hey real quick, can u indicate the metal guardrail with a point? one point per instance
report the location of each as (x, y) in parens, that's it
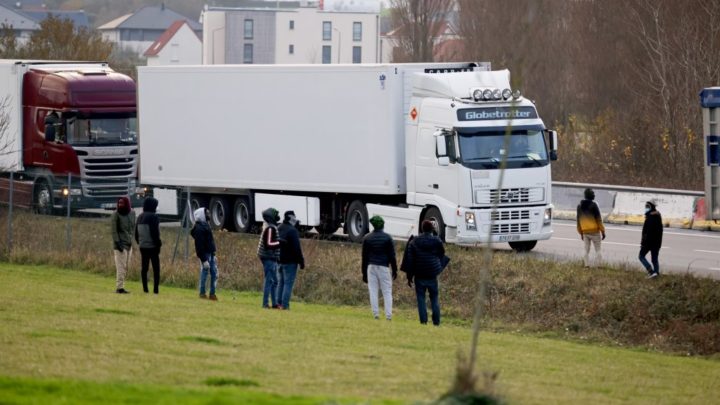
(609, 187)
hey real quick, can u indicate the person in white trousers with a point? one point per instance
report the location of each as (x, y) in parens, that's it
(378, 257)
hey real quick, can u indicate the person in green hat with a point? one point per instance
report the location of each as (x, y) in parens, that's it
(378, 257)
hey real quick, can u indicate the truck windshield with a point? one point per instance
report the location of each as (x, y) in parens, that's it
(483, 149)
(102, 130)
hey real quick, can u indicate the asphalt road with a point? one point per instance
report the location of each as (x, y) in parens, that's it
(682, 251)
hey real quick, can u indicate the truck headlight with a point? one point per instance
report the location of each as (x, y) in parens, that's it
(470, 221)
(548, 216)
(71, 191)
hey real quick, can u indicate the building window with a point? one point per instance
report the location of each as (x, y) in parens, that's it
(357, 54)
(291, 49)
(327, 53)
(357, 31)
(292, 24)
(248, 53)
(327, 31)
(248, 29)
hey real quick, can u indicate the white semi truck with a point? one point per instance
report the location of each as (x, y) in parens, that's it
(340, 143)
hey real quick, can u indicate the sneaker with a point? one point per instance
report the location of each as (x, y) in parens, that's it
(122, 291)
(653, 274)
(376, 317)
(213, 297)
(203, 296)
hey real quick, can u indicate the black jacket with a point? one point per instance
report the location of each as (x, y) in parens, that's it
(290, 249)
(652, 231)
(147, 228)
(378, 248)
(204, 241)
(425, 257)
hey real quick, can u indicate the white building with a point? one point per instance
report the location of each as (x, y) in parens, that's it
(178, 45)
(298, 35)
(22, 24)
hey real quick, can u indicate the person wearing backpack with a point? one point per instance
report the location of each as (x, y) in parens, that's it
(423, 262)
(205, 251)
(147, 235)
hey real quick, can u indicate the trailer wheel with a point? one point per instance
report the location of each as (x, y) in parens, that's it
(219, 213)
(196, 201)
(433, 215)
(525, 246)
(241, 215)
(356, 221)
(43, 198)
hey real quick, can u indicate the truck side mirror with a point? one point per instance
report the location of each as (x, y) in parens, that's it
(553, 141)
(440, 146)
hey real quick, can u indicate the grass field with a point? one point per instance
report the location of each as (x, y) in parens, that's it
(65, 337)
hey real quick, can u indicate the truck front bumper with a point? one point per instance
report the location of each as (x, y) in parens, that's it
(507, 224)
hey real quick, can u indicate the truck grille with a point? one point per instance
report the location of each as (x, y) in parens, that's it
(108, 173)
(510, 195)
(505, 229)
(509, 215)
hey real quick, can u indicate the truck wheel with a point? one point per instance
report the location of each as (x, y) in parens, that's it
(433, 215)
(356, 221)
(219, 213)
(525, 246)
(196, 201)
(43, 198)
(242, 218)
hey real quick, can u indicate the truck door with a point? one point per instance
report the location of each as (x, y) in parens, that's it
(434, 182)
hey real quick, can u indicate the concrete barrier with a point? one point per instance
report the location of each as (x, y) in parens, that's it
(700, 213)
(566, 199)
(676, 210)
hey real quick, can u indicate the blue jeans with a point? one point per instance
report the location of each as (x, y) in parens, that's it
(286, 279)
(213, 276)
(270, 289)
(431, 286)
(654, 253)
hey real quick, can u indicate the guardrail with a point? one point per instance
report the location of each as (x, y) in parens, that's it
(625, 205)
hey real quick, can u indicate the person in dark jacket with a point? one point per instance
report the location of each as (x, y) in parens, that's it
(122, 225)
(426, 260)
(205, 251)
(147, 235)
(378, 257)
(652, 233)
(590, 226)
(269, 254)
(291, 257)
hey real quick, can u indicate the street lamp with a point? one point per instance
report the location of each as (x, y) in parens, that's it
(339, 41)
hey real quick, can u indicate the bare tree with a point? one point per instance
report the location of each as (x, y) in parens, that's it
(417, 25)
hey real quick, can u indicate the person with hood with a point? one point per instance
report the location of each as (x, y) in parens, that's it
(425, 261)
(590, 226)
(147, 236)
(652, 233)
(122, 224)
(269, 254)
(291, 257)
(205, 251)
(378, 256)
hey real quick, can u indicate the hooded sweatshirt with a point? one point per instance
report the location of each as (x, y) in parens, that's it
(201, 232)
(147, 230)
(269, 245)
(588, 218)
(652, 231)
(122, 224)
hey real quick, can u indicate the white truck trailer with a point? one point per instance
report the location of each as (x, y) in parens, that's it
(340, 143)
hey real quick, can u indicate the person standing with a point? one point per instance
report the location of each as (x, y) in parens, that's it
(147, 235)
(205, 251)
(378, 257)
(652, 233)
(122, 224)
(291, 257)
(590, 226)
(426, 260)
(269, 254)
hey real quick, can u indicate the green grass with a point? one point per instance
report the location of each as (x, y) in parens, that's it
(66, 338)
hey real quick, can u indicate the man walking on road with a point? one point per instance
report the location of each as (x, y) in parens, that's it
(590, 226)
(651, 241)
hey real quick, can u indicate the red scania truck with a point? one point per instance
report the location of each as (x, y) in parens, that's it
(63, 121)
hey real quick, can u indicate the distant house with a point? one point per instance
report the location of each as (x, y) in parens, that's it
(78, 17)
(137, 31)
(178, 45)
(25, 17)
(447, 44)
(22, 24)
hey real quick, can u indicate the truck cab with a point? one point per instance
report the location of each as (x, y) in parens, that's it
(463, 129)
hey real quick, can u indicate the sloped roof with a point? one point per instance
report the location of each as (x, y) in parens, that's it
(150, 18)
(166, 36)
(78, 17)
(18, 20)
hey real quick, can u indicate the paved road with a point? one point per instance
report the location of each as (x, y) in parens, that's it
(682, 251)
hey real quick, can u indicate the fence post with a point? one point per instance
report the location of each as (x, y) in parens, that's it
(10, 214)
(67, 227)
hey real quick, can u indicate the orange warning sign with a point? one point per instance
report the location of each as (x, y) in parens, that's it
(413, 113)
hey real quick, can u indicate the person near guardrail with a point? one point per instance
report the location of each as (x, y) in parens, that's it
(205, 251)
(122, 224)
(269, 254)
(147, 235)
(378, 257)
(652, 233)
(291, 257)
(590, 226)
